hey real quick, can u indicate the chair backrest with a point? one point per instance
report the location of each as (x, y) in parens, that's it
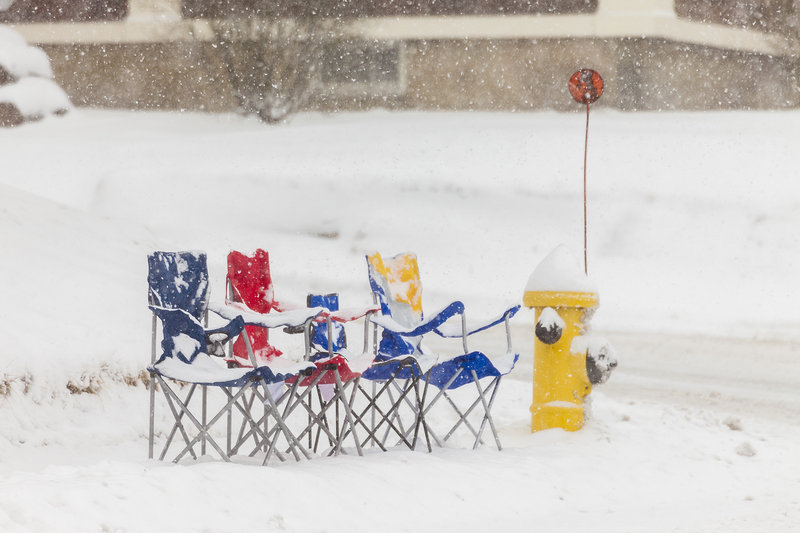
(319, 335)
(179, 280)
(250, 282)
(396, 285)
(178, 290)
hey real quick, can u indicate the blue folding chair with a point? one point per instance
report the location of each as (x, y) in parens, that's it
(337, 375)
(193, 356)
(396, 286)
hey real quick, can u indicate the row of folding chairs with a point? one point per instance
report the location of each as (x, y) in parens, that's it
(228, 388)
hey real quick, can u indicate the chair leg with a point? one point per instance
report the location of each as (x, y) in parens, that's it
(152, 424)
(396, 418)
(427, 406)
(386, 417)
(244, 406)
(247, 420)
(317, 419)
(202, 429)
(463, 416)
(266, 438)
(359, 418)
(372, 409)
(178, 425)
(204, 419)
(421, 416)
(348, 410)
(270, 436)
(294, 442)
(487, 409)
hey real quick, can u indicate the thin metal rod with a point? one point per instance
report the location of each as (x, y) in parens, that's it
(178, 416)
(152, 390)
(204, 404)
(329, 332)
(487, 409)
(464, 332)
(585, 211)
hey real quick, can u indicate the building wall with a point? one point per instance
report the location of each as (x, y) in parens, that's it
(170, 76)
(479, 74)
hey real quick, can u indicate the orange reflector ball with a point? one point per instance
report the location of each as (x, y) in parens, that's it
(586, 86)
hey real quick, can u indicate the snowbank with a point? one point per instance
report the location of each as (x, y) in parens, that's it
(692, 229)
(27, 90)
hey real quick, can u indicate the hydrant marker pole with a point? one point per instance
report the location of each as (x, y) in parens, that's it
(585, 210)
(585, 86)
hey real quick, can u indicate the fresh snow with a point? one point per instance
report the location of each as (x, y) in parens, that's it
(549, 318)
(32, 89)
(21, 60)
(560, 270)
(693, 243)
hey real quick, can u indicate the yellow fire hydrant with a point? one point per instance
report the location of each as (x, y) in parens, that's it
(563, 299)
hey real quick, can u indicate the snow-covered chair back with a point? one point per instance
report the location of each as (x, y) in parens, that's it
(179, 280)
(322, 339)
(249, 281)
(397, 288)
(178, 287)
(395, 283)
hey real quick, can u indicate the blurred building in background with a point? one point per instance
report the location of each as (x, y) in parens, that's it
(429, 54)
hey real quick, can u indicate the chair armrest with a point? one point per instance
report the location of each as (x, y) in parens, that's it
(426, 326)
(234, 326)
(178, 322)
(291, 318)
(231, 329)
(453, 330)
(347, 315)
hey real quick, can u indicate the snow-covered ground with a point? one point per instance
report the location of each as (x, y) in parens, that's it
(693, 243)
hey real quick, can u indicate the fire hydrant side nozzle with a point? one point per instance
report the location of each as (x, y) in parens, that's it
(563, 299)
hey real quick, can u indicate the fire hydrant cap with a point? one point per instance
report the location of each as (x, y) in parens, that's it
(560, 280)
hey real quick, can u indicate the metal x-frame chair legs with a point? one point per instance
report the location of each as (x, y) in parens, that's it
(490, 391)
(374, 415)
(300, 397)
(202, 428)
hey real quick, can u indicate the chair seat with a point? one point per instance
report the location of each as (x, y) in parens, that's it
(283, 369)
(484, 367)
(399, 367)
(348, 368)
(204, 371)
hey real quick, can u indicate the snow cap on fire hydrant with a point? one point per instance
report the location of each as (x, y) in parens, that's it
(560, 271)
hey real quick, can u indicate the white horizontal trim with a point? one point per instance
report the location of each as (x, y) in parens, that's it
(604, 24)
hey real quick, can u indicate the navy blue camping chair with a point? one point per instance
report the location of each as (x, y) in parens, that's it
(192, 356)
(401, 353)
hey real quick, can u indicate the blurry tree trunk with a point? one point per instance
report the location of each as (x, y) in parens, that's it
(271, 65)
